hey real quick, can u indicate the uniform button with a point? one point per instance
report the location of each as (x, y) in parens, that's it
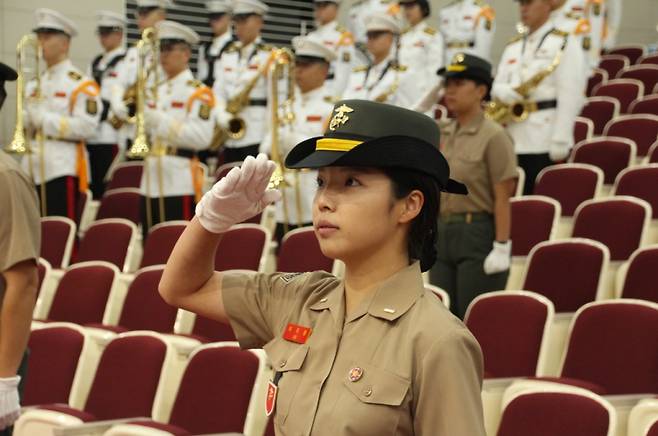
(355, 374)
(282, 363)
(367, 391)
(324, 300)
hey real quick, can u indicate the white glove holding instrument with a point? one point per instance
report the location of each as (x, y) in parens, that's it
(558, 151)
(35, 108)
(10, 409)
(117, 105)
(240, 195)
(498, 259)
(506, 94)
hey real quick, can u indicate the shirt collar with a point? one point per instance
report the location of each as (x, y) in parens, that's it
(181, 77)
(62, 66)
(471, 128)
(310, 95)
(329, 25)
(538, 34)
(224, 37)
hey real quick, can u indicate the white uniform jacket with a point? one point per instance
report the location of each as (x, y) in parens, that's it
(468, 26)
(104, 71)
(209, 54)
(360, 10)
(341, 41)
(421, 50)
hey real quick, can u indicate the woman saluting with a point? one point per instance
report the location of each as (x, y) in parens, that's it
(373, 353)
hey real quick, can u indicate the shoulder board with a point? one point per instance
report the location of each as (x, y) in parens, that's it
(360, 69)
(265, 47)
(401, 68)
(517, 38)
(75, 75)
(560, 33)
(358, 3)
(341, 29)
(195, 83)
(330, 99)
(233, 46)
(430, 30)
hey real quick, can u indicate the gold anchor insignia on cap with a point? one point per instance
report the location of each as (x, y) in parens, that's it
(340, 117)
(459, 58)
(355, 374)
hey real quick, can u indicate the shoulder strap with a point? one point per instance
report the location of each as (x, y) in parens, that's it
(202, 93)
(95, 71)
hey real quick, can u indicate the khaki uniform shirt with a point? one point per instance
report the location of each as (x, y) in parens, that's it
(20, 227)
(400, 364)
(480, 155)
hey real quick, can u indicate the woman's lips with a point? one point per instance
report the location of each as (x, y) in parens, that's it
(325, 228)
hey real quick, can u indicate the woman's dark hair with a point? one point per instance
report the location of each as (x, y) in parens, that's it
(423, 231)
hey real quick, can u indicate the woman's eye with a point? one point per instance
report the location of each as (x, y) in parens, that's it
(351, 181)
(319, 182)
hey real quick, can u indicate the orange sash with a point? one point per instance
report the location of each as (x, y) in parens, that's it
(91, 89)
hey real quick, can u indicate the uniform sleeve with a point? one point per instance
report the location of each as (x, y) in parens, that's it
(343, 67)
(19, 222)
(258, 305)
(435, 55)
(502, 77)
(484, 32)
(202, 64)
(194, 132)
(614, 11)
(409, 93)
(500, 158)
(81, 123)
(448, 387)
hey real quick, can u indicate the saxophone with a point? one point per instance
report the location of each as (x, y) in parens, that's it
(519, 111)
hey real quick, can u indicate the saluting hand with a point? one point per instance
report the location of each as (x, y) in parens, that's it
(237, 197)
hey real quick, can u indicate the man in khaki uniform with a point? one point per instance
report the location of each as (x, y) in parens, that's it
(20, 238)
(383, 357)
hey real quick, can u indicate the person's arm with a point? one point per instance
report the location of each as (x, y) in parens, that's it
(503, 191)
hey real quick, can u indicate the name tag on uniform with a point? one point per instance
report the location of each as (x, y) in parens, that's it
(313, 118)
(253, 67)
(270, 400)
(511, 61)
(328, 43)
(419, 44)
(468, 17)
(177, 104)
(228, 69)
(113, 74)
(60, 94)
(296, 333)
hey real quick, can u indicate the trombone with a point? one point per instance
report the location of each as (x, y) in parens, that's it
(20, 144)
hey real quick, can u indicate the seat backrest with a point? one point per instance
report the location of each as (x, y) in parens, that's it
(110, 240)
(57, 236)
(127, 377)
(632, 51)
(82, 205)
(555, 409)
(600, 110)
(645, 105)
(608, 345)
(300, 252)
(624, 90)
(511, 328)
(82, 293)
(143, 307)
(55, 352)
(647, 74)
(215, 391)
(224, 169)
(642, 129)
(209, 330)
(640, 279)
(652, 155)
(640, 182)
(44, 270)
(598, 76)
(534, 220)
(649, 59)
(121, 203)
(613, 64)
(603, 220)
(611, 154)
(569, 184)
(126, 175)
(583, 129)
(441, 294)
(242, 247)
(161, 241)
(568, 272)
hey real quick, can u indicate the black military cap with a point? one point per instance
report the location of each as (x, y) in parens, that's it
(363, 133)
(7, 73)
(468, 67)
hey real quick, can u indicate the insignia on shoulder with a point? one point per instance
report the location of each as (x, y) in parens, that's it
(266, 47)
(597, 9)
(232, 47)
(92, 106)
(516, 38)
(195, 83)
(204, 112)
(587, 43)
(559, 32)
(75, 75)
(287, 278)
(330, 99)
(400, 68)
(340, 28)
(347, 57)
(430, 30)
(488, 24)
(360, 69)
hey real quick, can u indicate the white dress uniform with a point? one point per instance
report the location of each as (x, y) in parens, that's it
(103, 70)
(362, 9)
(613, 15)
(421, 50)
(68, 114)
(548, 130)
(209, 53)
(467, 26)
(340, 41)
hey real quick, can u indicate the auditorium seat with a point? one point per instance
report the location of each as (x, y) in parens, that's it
(128, 382)
(643, 129)
(637, 278)
(243, 246)
(645, 105)
(647, 74)
(123, 203)
(112, 240)
(222, 391)
(632, 51)
(85, 210)
(568, 272)
(512, 328)
(612, 64)
(641, 182)
(652, 155)
(520, 182)
(224, 169)
(550, 410)
(643, 419)
(534, 219)
(624, 90)
(648, 59)
(57, 237)
(570, 184)
(598, 76)
(300, 252)
(126, 175)
(611, 154)
(441, 112)
(441, 294)
(583, 129)
(160, 242)
(43, 270)
(82, 293)
(600, 110)
(47, 284)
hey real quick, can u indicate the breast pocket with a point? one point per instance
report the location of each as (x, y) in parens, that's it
(288, 359)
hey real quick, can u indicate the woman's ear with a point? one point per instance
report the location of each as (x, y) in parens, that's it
(412, 205)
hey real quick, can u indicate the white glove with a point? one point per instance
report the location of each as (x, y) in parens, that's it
(10, 408)
(35, 110)
(558, 151)
(153, 118)
(119, 109)
(223, 118)
(506, 94)
(499, 258)
(239, 196)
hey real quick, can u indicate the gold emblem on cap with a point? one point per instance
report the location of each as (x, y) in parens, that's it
(458, 59)
(340, 117)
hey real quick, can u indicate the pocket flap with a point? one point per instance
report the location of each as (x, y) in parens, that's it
(378, 386)
(286, 356)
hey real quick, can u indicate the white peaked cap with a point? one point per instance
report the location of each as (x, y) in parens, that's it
(249, 7)
(382, 21)
(173, 30)
(50, 19)
(327, 1)
(308, 46)
(155, 4)
(218, 6)
(110, 19)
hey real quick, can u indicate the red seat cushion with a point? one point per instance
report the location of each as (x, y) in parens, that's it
(54, 236)
(240, 248)
(641, 182)
(640, 279)
(126, 176)
(569, 185)
(593, 387)
(106, 241)
(300, 252)
(611, 155)
(144, 308)
(643, 129)
(209, 330)
(160, 243)
(127, 205)
(63, 408)
(600, 112)
(174, 430)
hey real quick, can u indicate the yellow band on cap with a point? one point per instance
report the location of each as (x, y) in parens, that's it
(335, 144)
(458, 68)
